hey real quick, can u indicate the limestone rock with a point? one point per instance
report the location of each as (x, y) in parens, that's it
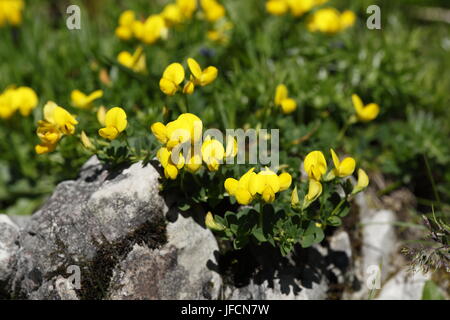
(9, 233)
(404, 286)
(111, 226)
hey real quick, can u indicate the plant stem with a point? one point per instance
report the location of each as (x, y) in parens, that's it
(261, 218)
(186, 102)
(433, 184)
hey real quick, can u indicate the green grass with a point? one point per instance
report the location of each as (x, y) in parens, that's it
(401, 67)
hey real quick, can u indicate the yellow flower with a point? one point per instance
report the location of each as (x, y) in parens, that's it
(212, 224)
(314, 191)
(232, 147)
(154, 28)
(294, 198)
(325, 20)
(48, 133)
(26, 100)
(159, 131)
(191, 123)
(171, 164)
(315, 165)
(348, 19)
(287, 105)
(300, 7)
(363, 181)
(200, 77)
(330, 20)
(86, 141)
(138, 29)
(212, 9)
(193, 163)
(277, 7)
(239, 189)
(189, 87)
(11, 12)
(187, 7)
(213, 153)
(57, 122)
(83, 101)
(285, 181)
(365, 113)
(172, 77)
(12, 99)
(44, 148)
(267, 183)
(187, 127)
(344, 168)
(135, 62)
(125, 29)
(172, 14)
(7, 107)
(60, 118)
(115, 123)
(101, 115)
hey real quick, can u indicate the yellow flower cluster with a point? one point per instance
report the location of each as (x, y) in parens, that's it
(11, 12)
(135, 61)
(263, 185)
(148, 31)
(330, 20)
(156, 26)
(325, 20)
(212, 10)
(282, 100)
(57, 123)
(315, 167)
(12, 99)
(187, 128)
(186, 131)
(296, 7)
(84, 101)
(174, 75)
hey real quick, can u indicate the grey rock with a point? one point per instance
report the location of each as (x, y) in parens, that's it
(20, 220)
(9, 233)
(379, 240)
(178, 270)
(379, 248)
(404, 286)
(110, 224)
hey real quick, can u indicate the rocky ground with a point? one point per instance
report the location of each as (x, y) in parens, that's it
(116, 229)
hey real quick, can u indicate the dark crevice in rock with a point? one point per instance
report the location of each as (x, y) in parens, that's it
(98, 272)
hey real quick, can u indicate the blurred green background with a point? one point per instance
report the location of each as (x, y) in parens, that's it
(403, 67)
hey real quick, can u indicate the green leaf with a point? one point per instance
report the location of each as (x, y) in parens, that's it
(432, 292)
(259, 234)
(312, 235)
(184, 206)
(334, 221)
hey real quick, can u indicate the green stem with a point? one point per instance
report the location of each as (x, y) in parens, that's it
(433, 184)
(337, 207)
(261, 218)
(343, 131)
(186, 102)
